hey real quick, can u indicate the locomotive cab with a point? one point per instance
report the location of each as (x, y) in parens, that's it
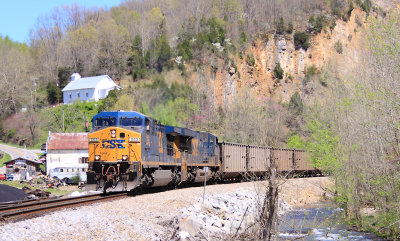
(115, 151)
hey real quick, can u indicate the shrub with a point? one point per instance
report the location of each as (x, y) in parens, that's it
(296, 104)
(301, 40)
(317, 23)
(278, 71)
(76, 179)
(250, 60)
(289, 28)
(366, 6)
(311, 70)
(333, 24)
(280, 28)
(338, 47)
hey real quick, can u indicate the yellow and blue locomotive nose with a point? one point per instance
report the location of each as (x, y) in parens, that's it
(114, 159)
(114, 144)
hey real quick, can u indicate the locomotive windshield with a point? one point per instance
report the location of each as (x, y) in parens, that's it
(135, 121)
(104, 122)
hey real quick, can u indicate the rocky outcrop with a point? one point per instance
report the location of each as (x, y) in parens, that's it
(272, 49)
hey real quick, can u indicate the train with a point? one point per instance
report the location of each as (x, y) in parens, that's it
(129, 150)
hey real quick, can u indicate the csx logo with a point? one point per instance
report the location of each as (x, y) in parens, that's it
(112, 144)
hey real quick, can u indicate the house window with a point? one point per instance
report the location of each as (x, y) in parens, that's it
(79, 95)
(61, 170)
(70, 96)
(87, 94)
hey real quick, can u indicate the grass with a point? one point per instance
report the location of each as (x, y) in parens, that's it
(54, 191)
(5, 158)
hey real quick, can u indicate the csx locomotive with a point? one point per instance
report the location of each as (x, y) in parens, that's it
(129, 150)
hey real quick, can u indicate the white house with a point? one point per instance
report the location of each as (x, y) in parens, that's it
(88, 88)
(67, 155)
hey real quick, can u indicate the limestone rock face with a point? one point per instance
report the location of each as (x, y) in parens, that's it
(272, 49)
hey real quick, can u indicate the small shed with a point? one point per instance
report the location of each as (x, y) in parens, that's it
(67, 155)
(22, 169)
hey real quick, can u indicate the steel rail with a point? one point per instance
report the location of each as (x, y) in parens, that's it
(41, 206)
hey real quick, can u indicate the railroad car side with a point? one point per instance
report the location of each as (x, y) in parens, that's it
(234, 159)
(259, 158)
(283, 159)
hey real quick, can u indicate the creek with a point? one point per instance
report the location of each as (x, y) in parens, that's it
(319, 222)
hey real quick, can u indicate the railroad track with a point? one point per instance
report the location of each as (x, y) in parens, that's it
(28, 209)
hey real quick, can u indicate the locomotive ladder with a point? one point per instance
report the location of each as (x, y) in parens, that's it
(184, 166)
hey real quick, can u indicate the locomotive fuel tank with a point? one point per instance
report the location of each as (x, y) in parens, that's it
(114, 159)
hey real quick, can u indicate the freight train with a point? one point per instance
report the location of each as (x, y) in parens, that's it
(128, 150)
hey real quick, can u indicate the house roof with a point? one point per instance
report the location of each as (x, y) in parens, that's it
(21, 158)
(90, 83)
(68, 141)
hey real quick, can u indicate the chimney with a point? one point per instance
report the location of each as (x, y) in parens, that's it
(75, 76)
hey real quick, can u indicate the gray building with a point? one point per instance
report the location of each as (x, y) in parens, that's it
(22, 169)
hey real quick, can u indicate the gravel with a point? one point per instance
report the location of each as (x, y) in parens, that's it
(155, 216)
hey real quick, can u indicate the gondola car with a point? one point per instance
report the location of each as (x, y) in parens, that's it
(129, 149)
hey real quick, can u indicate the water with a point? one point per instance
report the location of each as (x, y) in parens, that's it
(317, 223)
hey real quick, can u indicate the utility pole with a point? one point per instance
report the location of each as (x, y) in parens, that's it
(63, 121)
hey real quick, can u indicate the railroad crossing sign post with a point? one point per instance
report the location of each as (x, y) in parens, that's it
(205, 180)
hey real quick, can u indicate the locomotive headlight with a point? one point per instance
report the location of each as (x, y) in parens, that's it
(92, 140)
(97, 157)
(113, 133)
(124, 157)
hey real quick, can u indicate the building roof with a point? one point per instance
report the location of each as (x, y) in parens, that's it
(89, 83)
(68, 141)
(23, 159)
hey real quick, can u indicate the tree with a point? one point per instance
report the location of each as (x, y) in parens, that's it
(280, 27)
(296, 104)
(301, 40)
(278, 71)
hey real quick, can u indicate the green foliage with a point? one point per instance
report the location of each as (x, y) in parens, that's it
(296, 104)
(301, 40)
(216, 31)
(280, 27)
(243, 38)
(163, 53)
(310, 72)
(54, 94)
(324, 146)
(144, 109)
(76, 179)
(289, 29)
(70, 118)
(250, 60)
(185, 50)
(336, 6)
(317, 23)
(278, 71)
(4, 159)
(107, 103)
(333, 24)
(338, 47)
(175, 112)
(366, 6)
(294, 141)
(137, 60)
